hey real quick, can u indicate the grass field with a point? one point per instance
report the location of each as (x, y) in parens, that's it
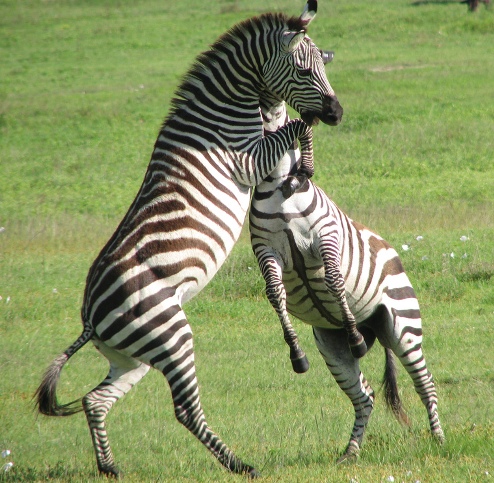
(84, 87)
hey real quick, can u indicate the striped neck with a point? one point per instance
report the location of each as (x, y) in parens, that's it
(209, 74)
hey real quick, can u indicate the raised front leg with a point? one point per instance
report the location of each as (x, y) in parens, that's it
(306, 169)
(335, 283)
(265, 155)
(275, 290)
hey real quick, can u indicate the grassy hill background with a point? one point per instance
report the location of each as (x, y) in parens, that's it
(84, 87)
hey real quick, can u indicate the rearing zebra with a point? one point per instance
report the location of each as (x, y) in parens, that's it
(335, 274)
(187, 216)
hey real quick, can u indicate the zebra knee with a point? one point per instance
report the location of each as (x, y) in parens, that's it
(190, 416)
(89, 404)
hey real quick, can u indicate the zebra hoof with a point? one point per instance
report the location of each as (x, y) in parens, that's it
(252, 473)
(110, 472)
(439, 436)
(359, 350)
(300, 365)
(351, 454)
(289, 186)
(347, 459)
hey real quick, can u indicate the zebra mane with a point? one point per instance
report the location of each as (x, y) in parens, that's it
(271, 21)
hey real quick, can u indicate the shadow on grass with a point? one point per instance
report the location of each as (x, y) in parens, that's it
(417, 3)
(57, 472)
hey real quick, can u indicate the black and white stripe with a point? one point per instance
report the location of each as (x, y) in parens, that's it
(343, 279)
(187, 216)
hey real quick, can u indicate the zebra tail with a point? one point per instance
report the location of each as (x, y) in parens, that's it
(390, 386)
(45, 396)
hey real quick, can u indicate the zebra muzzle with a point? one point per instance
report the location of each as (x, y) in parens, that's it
(331, 113)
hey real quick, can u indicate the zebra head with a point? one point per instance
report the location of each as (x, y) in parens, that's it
(295, 73)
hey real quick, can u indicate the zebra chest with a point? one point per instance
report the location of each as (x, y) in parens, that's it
(303, 277)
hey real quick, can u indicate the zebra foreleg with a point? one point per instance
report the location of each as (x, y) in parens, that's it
(335, 283)
(306, 169)
(124, 373)
(275, 291)
(333, 346)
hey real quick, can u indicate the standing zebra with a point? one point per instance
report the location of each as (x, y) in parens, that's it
(188, 214)
(335, 274)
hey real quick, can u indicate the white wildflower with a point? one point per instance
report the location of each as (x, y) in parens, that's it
(464, 255)
(55, 290)
(2, 229)
(390, 478)
(420, 238)
(452, 255)
(464, 238)
(405, 247)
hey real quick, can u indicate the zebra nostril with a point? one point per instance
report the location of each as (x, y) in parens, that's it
(332, 112)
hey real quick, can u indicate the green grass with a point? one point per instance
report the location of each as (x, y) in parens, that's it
(84, 87)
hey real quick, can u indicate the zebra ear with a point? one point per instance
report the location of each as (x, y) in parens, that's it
(291, 39)
(309, 12)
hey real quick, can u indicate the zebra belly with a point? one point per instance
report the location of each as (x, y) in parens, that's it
(310, 301)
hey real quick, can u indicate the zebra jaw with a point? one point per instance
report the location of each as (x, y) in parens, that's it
(331, 113)
(310, 118)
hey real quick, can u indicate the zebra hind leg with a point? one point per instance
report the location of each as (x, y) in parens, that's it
(404, 336)
(172, 353)
(124, 373)
(333, 346)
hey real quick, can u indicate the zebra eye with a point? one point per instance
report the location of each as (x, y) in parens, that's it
(305, 72)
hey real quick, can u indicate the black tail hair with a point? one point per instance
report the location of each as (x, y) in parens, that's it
(45, 396)
(390, 386)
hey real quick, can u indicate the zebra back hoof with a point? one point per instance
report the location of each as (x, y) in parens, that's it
(109, 472)
(438, 435)
(252, 473)
(300, 365)
(359, 350)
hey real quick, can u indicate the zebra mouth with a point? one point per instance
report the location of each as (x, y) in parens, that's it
(331, 113)
(331, 118)
(310, 118)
